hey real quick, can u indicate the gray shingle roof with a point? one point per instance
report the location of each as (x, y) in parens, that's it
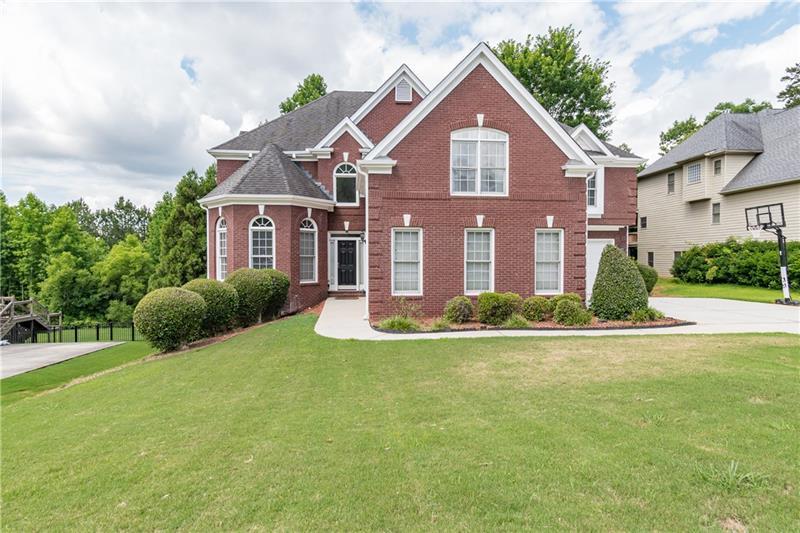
(729, 131)
(302, 128)
(270, 172)
(780, 160)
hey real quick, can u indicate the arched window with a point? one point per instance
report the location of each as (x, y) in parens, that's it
(222, 249)
(345, 190)
(308, 251)
(479, 162)
(262, 243)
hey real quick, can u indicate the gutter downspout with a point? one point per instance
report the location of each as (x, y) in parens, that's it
(366, 242)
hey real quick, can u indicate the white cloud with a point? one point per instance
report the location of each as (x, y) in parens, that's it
(96, 103)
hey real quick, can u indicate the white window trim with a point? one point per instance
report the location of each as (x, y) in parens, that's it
(560, 290)
(490, 231)
(597, 209)
(421, 257)
(354, 176)
(250, 230)
(699, 173)
(478, 168)
(217, 248)
(315, 232)
(719, 214)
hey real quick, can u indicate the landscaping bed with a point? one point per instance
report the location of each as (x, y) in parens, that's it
(429, 325)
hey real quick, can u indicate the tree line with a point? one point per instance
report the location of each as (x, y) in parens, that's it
(97, 265)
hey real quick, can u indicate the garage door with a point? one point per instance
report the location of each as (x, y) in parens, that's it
(594, 249)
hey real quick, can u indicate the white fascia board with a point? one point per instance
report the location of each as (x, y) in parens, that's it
(483, 55)
(234, 155)
(584, 130)
(383, 165)
(346, 125)
(403, 72)
(619, 162)
(578, 171)
(266, 199)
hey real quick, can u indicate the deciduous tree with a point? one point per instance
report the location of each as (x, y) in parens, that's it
(790, 95)
(308, 90)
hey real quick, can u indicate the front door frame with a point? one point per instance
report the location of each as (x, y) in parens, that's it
(333, 250)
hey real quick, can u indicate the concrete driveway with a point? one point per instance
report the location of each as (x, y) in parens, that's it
(20, 358)
(344, 319)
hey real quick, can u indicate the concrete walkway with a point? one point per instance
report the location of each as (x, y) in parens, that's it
(344, 319)
(20, 358)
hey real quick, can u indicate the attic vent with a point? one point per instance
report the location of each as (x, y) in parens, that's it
(402, 91)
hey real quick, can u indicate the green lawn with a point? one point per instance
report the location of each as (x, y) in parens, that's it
(279, 429)
(673, 287)
(23, 385)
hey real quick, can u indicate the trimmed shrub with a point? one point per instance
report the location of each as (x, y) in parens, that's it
(170, 317)
(254, 290)
(619, 288)
(459, 310)
(535, 308)
(649, 275)
(646, 315)
(399, 323)
(570, 313)
(279, 291)
(516, 321)
(495, 308)
(222, 301)
(571, 296)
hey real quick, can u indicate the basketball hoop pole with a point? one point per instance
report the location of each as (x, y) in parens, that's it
(787, 298)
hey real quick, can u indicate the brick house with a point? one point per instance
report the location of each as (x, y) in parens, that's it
(422, 194)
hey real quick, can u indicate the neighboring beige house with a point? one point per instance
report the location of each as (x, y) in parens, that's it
(697, 193)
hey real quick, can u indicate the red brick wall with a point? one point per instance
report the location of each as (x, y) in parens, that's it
(386, 115)
(420, 186)
(620, 237)
(620, 197)
(226, 167)
(287, 243)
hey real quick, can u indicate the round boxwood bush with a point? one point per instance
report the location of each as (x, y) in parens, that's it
(254, 290)
(279, 291)
(459, 310)
(535, 308)
(619, 288)
(170, 317)
(650, 276)
(570, 313)
(554, 301)
(495, 308)
(222, 301)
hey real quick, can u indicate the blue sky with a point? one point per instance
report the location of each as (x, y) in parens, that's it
(110, 99)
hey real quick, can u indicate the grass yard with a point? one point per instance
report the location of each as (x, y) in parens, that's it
(279, 429)
(23, 385)
(673, 287)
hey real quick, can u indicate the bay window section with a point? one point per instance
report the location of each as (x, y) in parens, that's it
(406, 262)
(549, 261)
(479, 162)
(478, 261)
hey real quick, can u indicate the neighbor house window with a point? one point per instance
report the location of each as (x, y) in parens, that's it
(262, 243)
(406, 261)
(591, 191)
(549, 261)
(479, 162)
(715, 212)
(676, 255)
(670, 183)
(717, 167)
(478, 261)
(693, 173)
(222, 249)
(650, 259)
(308, 251)
(643, 222)
(345, 190)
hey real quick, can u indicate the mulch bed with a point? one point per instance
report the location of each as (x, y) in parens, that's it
(666, 322)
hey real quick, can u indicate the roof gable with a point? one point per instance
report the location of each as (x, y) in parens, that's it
(483, 55)
(346, 125)
(402, 73)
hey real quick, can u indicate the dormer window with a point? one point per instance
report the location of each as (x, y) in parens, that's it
(402, 92)
(479, 162)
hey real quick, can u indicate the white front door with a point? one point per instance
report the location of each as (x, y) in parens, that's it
(594, 249)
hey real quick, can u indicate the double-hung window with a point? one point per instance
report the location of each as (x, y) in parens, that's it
(406, 261)
(479, 162)
(693, 173)
(308, 251)
(670, 183)
(715, 213)
(222, 249)
(345, 185)
(591, 191)
(478, 261)
(262, 243)
(549, 261)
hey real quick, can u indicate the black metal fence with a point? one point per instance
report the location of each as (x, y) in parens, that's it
(108, 331)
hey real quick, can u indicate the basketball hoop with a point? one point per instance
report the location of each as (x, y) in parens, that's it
(770, 218)
(755, 232)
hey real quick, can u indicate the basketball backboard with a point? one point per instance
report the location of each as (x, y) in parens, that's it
(764, 217)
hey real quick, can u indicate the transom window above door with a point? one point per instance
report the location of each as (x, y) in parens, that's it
(479, 162)
(345, 184)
